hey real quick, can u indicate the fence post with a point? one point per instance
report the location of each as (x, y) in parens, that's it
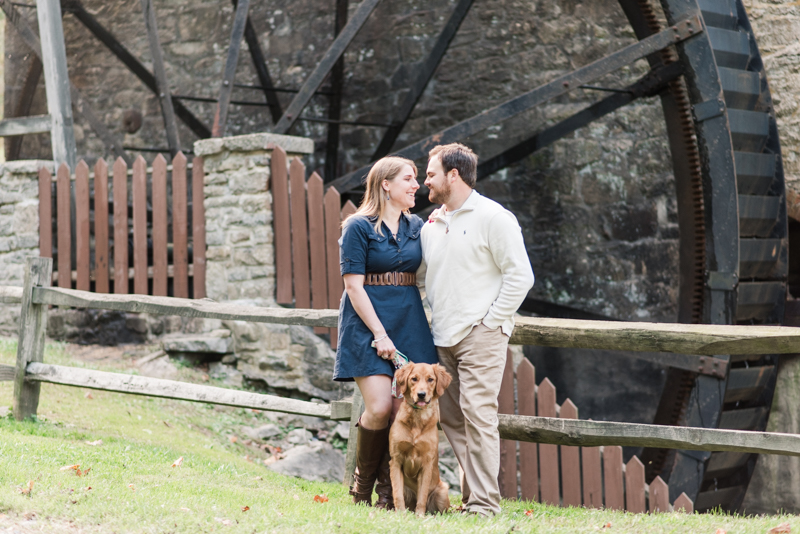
(350, 459)
(32, 329)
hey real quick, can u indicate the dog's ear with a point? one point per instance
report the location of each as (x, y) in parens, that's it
(401, 375)
(443, 379)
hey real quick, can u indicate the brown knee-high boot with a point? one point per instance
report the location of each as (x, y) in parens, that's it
(383, 486)
(370, 449)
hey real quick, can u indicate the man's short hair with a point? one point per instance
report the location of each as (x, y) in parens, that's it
(459, 157)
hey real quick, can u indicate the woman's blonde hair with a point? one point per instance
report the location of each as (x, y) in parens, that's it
(374, 202)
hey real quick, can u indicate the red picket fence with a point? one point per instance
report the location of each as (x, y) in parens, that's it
(128, 252)
(594, 477)
(307, 228)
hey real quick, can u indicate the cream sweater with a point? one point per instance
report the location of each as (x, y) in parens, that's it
(475, 269)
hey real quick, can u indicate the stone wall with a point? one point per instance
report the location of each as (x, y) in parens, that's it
(19, 229)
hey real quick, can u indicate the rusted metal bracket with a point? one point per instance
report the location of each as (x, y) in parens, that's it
(712, 366)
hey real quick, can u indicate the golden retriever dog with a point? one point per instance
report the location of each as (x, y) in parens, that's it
(414, 440)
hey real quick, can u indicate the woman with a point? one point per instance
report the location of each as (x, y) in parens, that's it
(381, 311)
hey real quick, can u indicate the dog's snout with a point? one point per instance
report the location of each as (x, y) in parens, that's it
(421, 394)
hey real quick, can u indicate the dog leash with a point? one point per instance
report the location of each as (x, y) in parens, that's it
(399, 360)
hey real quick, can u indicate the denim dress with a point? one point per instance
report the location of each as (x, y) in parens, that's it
(362, 250)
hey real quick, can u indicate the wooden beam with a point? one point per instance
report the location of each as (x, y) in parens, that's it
(335, 100)
(188, 308)
(109, 139)
(576, 432)
(32, 330)
(24, 103)
(559, 86)
(170, 389)
(10, 294)
(25, 125)
(56, 77)
(315, 79)
(260, 65)
(237, 32)
(569, 333)
(164, 98)
(133, 64)
(6, 373)
(422, 78)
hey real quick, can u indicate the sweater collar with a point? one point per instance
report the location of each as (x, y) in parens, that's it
(468, 205)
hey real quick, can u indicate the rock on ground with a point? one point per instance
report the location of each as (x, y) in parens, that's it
(318, 462)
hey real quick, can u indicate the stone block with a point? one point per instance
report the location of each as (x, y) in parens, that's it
(252, 142)
(198, 343)
(263, 432)
(317, 461)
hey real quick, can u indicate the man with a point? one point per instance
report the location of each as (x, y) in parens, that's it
(478, 274)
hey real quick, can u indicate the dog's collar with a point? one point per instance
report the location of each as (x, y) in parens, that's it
(418, 407)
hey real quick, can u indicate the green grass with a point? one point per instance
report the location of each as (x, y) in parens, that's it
(131, 486)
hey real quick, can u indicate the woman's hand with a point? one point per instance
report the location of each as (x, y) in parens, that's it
(385, 348)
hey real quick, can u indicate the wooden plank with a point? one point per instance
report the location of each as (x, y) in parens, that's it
(717, 497)
(185, 307)
(64, 224)
(528, 452)
(659, 496)
(683, 503)
(25, 100)
(725, 463)
(164, 97)
(548, 454)
(507, 478)
(82, 258)
(139, 194)
(595, 433)
(10, 294)
(335, 83)
(315, 79)
(260, 66)
(316, 245)
(634, 486)
(333, 230)
(232, 59)
(198, 229)
(300, 271)
(26, 125)
(348, 209)
(32, 330)
(592, 477)
(120, 192)
(570, 463)
(656, 337)
(356, 410)
(56, 77)
(747, 383)
(101, 226)
(612, 478)
(7, 372)
(180, 227)
(45, 213)
(744, 419)
(159, 205)
(83, 110)
(170, 273)
(282, 227)
(170, 389)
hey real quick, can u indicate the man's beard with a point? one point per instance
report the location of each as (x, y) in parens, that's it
(440, 195)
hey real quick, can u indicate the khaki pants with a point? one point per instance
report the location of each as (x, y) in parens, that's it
(469, 413)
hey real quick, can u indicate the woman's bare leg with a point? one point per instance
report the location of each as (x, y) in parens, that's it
(377, 393)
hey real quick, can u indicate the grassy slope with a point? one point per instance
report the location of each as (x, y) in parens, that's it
(132, 487)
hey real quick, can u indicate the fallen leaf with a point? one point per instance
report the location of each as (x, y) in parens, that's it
(259, 478)
(84, 473)
(68, 467)
(95, 443)
(178, 462)
(183, 508)
(607, 525)
(204, 378)
(320, 498)
(88, 395)
(529, 513)
(721, 531)
(132, 487)
(233, 439)
(780, 529)
(271, 460)
(27, 491)
(223, 521)
(3, 516)
(247, 458)
(295, 497)
(166, 424)
(87, 488)
(245, 508)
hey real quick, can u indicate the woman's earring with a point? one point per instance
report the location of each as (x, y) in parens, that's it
(387, 196)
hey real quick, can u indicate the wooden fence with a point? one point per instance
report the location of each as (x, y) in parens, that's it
(122, 233)
(594, 477)
(549, 433)
(307, 226)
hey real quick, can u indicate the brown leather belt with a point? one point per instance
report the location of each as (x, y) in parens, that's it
(390, 279)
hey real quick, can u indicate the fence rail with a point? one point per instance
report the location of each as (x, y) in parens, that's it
(30, 371)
